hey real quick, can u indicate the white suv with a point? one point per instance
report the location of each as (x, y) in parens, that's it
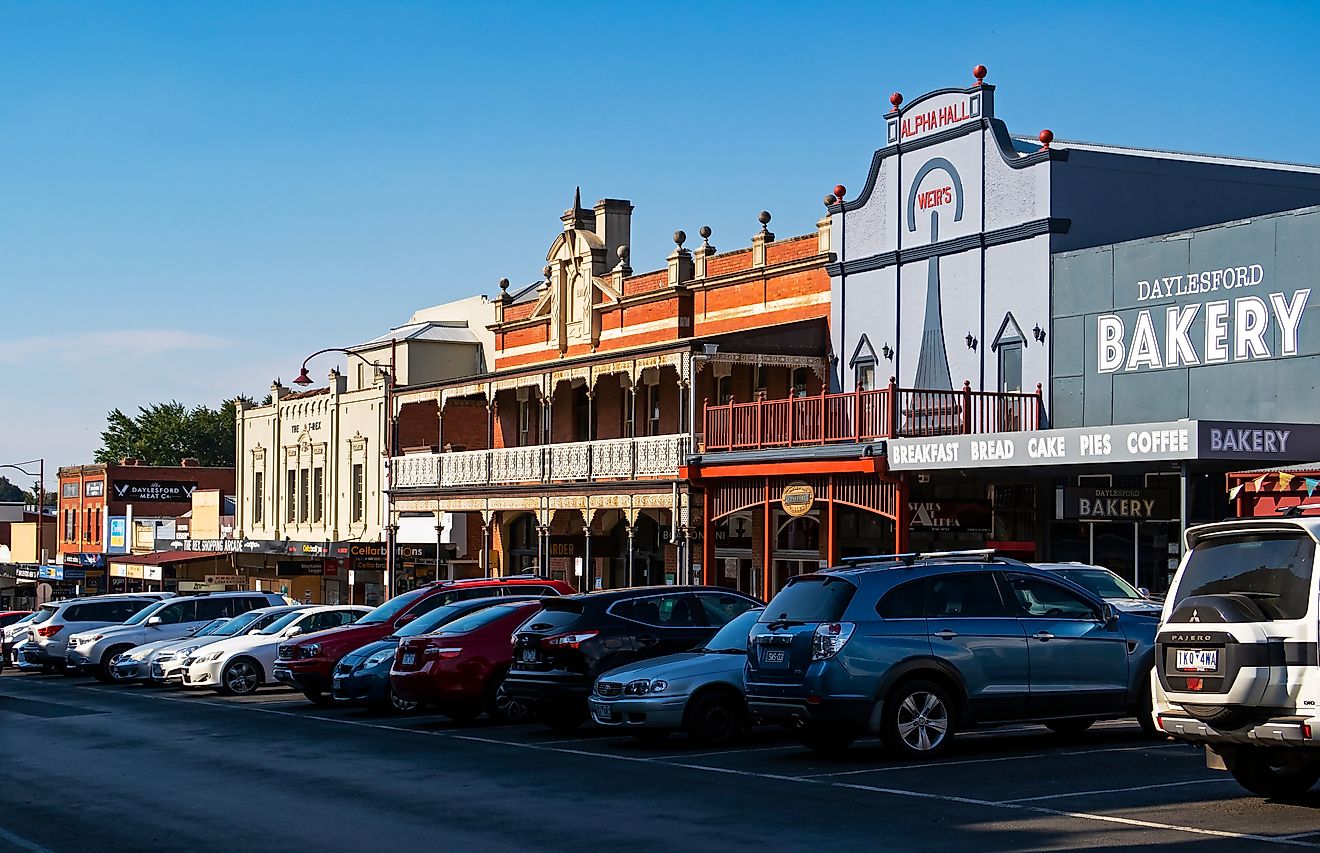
(95, 651)
(51, 629)
(1236, 654)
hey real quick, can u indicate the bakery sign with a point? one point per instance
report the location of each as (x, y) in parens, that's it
(1110, 504)
(160, 491)
(1222, 315)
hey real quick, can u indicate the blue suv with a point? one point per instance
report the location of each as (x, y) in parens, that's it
(915, 647)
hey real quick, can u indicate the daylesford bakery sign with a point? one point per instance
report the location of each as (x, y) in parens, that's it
(1237, 317)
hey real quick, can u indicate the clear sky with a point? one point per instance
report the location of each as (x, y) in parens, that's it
(194, 195)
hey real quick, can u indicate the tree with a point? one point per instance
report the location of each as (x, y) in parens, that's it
(164, 433)
(9, 492)
(30, 496)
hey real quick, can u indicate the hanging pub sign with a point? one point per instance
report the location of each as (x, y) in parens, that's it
(1114, 504)
(797, 499)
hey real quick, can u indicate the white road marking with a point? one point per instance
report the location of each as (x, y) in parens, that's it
(1119, 790)
(21, 843)
(1291, 841)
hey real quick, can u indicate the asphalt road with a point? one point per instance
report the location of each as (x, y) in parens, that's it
(87, 767)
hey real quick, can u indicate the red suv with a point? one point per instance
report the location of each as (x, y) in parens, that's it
(461, 667)
(307, 665)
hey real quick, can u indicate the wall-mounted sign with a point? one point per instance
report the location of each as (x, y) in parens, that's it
(94, 488)
(51, 572)
(235, 580)
(1111, 504)
(928, 116)
(1153, 442)
(797, 499)
(118, 527)
(157, 491)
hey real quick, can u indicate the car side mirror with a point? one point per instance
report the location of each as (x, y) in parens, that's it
(153, 621)
(293, 632)
(1145, 592)
(1109, 615)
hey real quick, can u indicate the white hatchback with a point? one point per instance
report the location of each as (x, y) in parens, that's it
(239, 665)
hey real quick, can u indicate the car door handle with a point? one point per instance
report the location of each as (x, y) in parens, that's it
(1043, 636)
(946, 634)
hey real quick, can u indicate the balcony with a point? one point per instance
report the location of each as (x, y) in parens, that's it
(864, 416)
(654, 457)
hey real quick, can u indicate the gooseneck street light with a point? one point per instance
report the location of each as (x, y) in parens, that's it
(304, 380)
(41, 495)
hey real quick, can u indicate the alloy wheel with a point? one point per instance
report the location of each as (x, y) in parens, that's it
(923, 721)
(241, 677)
(510, 708)
(115, 674)
(401, 705)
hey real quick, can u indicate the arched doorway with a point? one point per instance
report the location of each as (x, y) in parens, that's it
(797, 546)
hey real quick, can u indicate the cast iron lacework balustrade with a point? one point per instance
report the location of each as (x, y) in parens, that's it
(612, 458)
(660, 455)
(515, 465)
(570, 461)
(468, 468)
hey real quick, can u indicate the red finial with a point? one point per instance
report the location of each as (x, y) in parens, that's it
(897, 100)
(979, 73)
(839, 190)
(1046, 137)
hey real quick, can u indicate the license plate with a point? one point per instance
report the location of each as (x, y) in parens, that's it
(774, 656)
(528, 656)
(1198, 660)
(409, 659)
(601, 711)
(337, 684)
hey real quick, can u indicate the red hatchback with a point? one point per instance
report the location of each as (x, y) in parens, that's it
(461, 668)
(307, 665)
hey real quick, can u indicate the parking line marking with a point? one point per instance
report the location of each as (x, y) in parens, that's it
(737, 752)
(22, 843)
(930, 764)
(1120, 790)
(1291, 841)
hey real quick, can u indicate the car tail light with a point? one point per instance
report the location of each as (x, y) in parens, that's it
(829, 639)
(447, 652)
(568, 641)
(49, 630)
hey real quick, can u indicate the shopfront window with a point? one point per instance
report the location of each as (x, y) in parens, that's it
(259, 498)
(318, 494)
(291, 497)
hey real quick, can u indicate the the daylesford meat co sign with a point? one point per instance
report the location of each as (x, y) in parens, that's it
(1222, 315)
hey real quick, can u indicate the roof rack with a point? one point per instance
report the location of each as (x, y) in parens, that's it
(910, 557)
(1294, 511)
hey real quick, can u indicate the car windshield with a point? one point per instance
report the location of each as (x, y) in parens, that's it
(1102, 582)
(485, 616)
(31, 617)
(282, 623)
(143, 614)
(42, 615)
(209, 628)
(432, 621)
(732, 638)
(387, 611)
(238, 624)
(810, 598)
(1273, 569)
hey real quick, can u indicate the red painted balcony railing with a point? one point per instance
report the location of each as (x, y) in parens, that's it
(861, 416)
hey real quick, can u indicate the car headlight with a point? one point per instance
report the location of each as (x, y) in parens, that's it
(310, 650)
(210, 656)
(377, 659)
(644, 686)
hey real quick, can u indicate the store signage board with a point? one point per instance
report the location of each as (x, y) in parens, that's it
(1170, 441)
(141, 491)
(1114, 504)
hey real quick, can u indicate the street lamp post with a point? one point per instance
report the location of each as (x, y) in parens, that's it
(41, 495)
(304, 380)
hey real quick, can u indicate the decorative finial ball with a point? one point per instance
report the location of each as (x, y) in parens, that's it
(680, 237)
(763, 217)
(1046, 137)
(545, 272)
(830, 199)
(840, 191)
(979, 72)
(896, 99)
(504, 284)
(622, 252)
(704, 231)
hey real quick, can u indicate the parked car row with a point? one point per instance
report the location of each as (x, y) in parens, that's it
(912, 648)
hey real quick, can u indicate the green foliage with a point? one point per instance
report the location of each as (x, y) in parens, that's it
(164, 433)
(9, 492)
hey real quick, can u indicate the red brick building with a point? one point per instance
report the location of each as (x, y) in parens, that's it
(97, 502)
(566, 458)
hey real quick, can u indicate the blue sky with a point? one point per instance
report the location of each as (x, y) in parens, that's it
(196, 195)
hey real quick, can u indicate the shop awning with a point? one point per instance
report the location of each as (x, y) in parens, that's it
(162, 558)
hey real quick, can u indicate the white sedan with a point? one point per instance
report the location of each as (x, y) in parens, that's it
(239, 665)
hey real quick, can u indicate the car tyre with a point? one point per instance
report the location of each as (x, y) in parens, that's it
(918, 719)
(503, 707)
(323, 700)
(1071, 727)
(716, 719)
(1275, 774)
(563, 718)
(396, 704)
(105, 670)
(241, 677)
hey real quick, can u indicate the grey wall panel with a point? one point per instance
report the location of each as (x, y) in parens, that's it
(1066, 397)
(1153, 396)
(1284, 391)
(1146, 261)
(1069, 346)
(1075, 282)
